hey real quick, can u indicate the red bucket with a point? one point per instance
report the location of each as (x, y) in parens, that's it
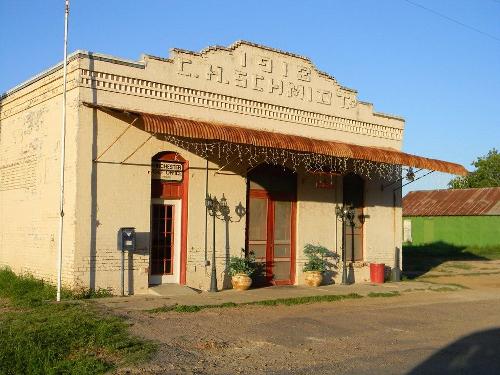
(377, 272)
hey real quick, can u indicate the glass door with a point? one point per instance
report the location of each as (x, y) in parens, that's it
(165, 241)
(281, 249)
(257, 235)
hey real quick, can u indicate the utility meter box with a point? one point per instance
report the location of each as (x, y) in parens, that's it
(126, 239)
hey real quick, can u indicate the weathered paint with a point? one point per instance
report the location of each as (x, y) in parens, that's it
(456, 230)
(104, 195)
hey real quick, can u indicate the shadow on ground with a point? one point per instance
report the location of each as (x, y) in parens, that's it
(418, 260)
(478, 353)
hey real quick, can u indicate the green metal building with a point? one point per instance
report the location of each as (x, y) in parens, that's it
(460, 217)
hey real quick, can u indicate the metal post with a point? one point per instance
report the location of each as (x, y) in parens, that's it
(122, 274)
(213, 279)
(352, 240)
(63, 153)
(396, 271)
(206, 217)
(228, 250)
(344, 250)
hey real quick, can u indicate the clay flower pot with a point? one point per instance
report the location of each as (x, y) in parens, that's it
(313, 278)
(241, 281)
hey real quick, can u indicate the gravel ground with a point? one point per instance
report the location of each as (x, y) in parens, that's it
(419, 332)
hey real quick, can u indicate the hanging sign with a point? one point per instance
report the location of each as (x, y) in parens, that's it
(325, 185)
(325, 180)
(167, 171)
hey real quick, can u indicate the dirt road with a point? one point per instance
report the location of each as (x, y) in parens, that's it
(416, 333)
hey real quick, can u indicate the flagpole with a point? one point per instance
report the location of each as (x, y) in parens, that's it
(63, 155)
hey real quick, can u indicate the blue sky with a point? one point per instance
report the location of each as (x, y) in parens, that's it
(441, 76)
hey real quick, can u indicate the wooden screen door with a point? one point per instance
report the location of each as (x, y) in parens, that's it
(271, 221)
(165, 241)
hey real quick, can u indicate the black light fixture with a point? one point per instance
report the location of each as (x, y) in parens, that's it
(212, 205)
(345, 213)
(410, 175)
(220, 210)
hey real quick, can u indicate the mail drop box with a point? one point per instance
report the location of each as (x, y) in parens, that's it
(126, 239)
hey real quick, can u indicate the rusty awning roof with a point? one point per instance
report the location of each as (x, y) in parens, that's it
(228, 133)
(452, 202)
(211, 131)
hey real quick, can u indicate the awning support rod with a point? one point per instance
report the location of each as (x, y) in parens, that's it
(382, 187)
(225, 165)
(409, 182)
(138, 148)
(116, 140)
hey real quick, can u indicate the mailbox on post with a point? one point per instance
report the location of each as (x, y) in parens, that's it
(126, 242)
(126, 239)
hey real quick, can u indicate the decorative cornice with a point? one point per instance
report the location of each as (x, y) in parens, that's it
(238, 43)
(73, 56)
(194, 97)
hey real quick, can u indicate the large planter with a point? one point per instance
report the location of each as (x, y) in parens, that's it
(313, 278)
(241, 281)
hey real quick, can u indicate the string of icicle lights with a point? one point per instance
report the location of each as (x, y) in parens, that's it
(251, 155)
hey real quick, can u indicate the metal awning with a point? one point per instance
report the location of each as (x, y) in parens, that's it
(234, 134)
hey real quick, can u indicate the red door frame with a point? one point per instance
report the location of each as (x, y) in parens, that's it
(176, 190)
(271, 198)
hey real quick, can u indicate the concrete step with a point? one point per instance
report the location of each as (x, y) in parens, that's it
(171, 290)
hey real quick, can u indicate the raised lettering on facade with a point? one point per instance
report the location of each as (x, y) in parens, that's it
(266, 74)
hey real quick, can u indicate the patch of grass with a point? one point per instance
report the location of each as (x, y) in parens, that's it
(384, 294)
(191, 308)
(488, 252)
(305, 300)
(443, 289)
(480, 273)
(442, 270)
(92, 293)
(426, 280)
(28, 291)
(405, 277)
(65, 338)
(459, 286)
(40, 337)
(461, 266)
(433, 276)
(272, 302)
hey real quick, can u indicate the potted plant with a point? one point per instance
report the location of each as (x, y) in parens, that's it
(317, 263)
(240, 269)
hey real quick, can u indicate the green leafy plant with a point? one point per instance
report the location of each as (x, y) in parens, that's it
(242, 264)
(486, 174)
(318, 258)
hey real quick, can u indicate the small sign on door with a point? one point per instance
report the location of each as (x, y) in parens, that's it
(167, 171)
